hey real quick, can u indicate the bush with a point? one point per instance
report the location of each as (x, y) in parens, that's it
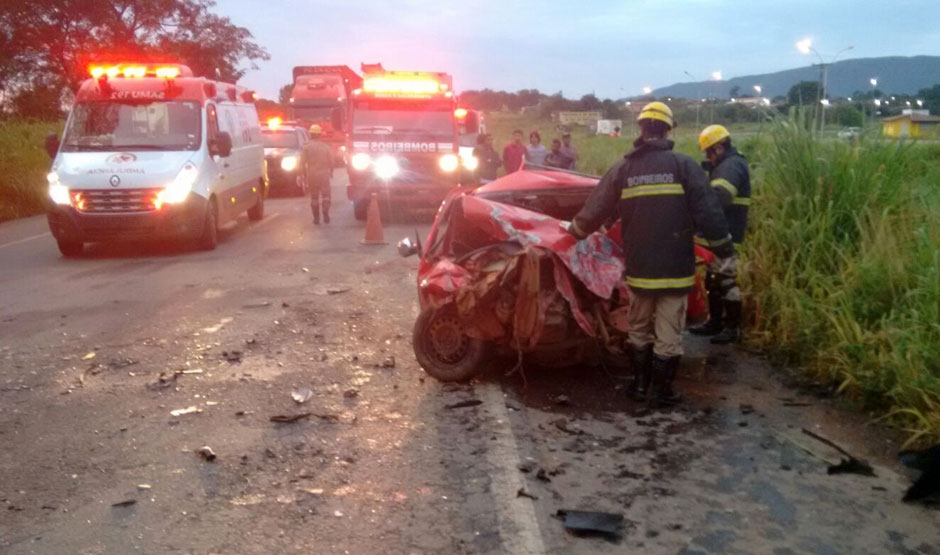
(24, 165)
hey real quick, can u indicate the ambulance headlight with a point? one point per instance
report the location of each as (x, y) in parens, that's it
(386, 167)
(448, 162)
(179, 189)
(58, 192)
(289, 163)
(471, 163)
(360, 161)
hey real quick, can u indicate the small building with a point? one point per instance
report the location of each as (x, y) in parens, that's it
(577, 118)
(911, 123)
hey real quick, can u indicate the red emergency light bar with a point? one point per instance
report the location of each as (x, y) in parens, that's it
(418, 85)
(137, 71)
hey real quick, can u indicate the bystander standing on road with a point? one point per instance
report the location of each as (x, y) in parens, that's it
(319, 171)
(569, 150)
(730, 178)
(535, 152)
(514, 153)
(661, 197)
(488, 161)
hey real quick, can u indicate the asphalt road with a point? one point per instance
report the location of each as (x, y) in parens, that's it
(98, 354)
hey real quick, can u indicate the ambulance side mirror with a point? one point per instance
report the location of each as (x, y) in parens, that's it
(52, 144)
(222, 146)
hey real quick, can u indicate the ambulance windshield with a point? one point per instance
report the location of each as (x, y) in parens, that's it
(119, 125)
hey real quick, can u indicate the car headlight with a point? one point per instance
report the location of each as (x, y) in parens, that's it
(58, 192)
(448, 162)
(360, 161)
(289, 163)
(471, 163)
(179, 189)
(386, 167)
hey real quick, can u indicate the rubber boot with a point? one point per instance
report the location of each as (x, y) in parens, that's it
(732, 331)
(664, 372)
(326, 211)
(315, 208)
(714, 325)
(641, 363)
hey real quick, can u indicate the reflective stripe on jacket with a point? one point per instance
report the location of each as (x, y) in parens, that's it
(662, 197)
(731, 180)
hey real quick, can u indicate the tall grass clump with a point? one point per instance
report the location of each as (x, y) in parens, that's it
(23, 167)
(844, 269)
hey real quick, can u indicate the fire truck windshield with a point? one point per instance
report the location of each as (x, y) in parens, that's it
(312, 113)
(117, 125)
(280, 139)
(404, 123)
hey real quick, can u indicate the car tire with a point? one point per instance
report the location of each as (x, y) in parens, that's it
(70, 249)
(256, 212)
(209, 239)
(361, 209)
(443, 350)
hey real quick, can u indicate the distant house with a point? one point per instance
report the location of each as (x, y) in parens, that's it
(912, 123)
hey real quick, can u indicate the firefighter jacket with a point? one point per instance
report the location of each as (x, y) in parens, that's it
(662, 198)
(731, 180)
(319, 161)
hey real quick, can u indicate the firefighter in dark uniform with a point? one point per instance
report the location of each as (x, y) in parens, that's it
(662, 197)
(319, 160)
(731, 179)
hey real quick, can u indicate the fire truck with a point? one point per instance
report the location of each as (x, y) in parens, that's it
(404, 138)
(321, 96)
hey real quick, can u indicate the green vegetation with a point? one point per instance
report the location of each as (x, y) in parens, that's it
(23, 168)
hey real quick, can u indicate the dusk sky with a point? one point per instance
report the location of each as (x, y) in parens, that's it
(608, 47)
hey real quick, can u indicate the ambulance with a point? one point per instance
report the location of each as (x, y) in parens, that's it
(151, 152)
(404, 139)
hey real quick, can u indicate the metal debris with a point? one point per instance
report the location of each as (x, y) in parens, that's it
(464, 404)
(301, 396)
(206, 452)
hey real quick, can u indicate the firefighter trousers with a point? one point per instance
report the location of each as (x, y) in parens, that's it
(319, 188)
(657, 320)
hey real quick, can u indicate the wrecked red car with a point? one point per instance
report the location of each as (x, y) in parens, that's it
(498, 271)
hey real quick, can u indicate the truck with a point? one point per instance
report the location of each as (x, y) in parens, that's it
(404, 139)
(151, 151)
(321, 96)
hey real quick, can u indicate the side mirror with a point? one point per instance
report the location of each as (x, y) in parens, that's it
(336, 118)
(222, 145)
(406, 248)
(52, 144)
(472, 121)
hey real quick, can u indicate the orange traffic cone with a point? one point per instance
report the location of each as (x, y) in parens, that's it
(374, 233)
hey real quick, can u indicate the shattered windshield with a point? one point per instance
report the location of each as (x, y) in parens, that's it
(133, 125)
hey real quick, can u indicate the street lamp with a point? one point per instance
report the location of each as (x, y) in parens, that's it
(698, 93)
(805, 46)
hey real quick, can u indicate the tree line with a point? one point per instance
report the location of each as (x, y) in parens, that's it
(46, 46)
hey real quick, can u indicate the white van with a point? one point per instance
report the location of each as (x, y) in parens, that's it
(149, 151)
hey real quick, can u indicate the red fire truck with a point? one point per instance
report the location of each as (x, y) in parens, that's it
(403, 138)
(321, 96)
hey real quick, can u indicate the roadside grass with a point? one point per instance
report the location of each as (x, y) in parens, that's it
(23, 168)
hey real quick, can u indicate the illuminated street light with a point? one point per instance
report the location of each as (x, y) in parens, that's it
(758, 89)
(647, 90)
(920, 103)
(716, 75)
(805, 46)
(824, 102)
(873, 81)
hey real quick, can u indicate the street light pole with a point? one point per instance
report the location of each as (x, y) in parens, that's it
(805, 46)
(697, 101)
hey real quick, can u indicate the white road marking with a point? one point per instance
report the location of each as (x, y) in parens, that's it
(267, 219)
(25, 239)
(518, 527)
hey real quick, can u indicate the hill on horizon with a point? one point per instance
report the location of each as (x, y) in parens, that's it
(895, 74)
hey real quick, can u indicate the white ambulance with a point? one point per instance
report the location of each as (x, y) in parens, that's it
(149, 151)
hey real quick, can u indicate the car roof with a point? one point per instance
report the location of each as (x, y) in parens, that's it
(527, 180)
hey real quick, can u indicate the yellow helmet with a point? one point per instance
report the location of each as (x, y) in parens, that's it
(711, 136)
(658, 111)
(315, 129)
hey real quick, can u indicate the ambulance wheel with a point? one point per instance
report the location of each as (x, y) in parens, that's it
(256, 212)
(70, 248)
(443, 350)
(361, 209)
(210, 229)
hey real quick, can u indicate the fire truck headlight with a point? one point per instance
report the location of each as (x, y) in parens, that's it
(289, 163)
(386, 167)
(58, 192)
(360, 161)
(449, 162)
(471, 163)
(179, 189)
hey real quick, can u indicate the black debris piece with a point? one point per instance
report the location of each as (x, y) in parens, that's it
(206, 452)
(852, 466)
(233, 357)
(523, 493)
(125, 503)
(464, 404)
(290, 419)
(542, 475)
(927, 487)
(746, 409)
(591, 522)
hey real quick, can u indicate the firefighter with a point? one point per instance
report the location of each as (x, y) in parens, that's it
(661, 197)
(730, 178)
(319, 162)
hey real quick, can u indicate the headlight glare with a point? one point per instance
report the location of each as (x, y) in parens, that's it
(449, 162)
(179, 189)
(289, 163)
(360, 161)
(386, 167)
(471, 163)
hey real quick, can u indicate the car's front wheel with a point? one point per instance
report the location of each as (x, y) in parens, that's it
(443, 349)
(70, 248)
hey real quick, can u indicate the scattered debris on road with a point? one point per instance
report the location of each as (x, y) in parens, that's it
(206, 452)
(188, 410)
(125, 503)
(591, 522)
(523, 493)
(290, 419)
(464, 404)
(851, 465)
(232, 356)
(301, 396)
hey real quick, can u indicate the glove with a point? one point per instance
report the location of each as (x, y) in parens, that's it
(725, 250)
